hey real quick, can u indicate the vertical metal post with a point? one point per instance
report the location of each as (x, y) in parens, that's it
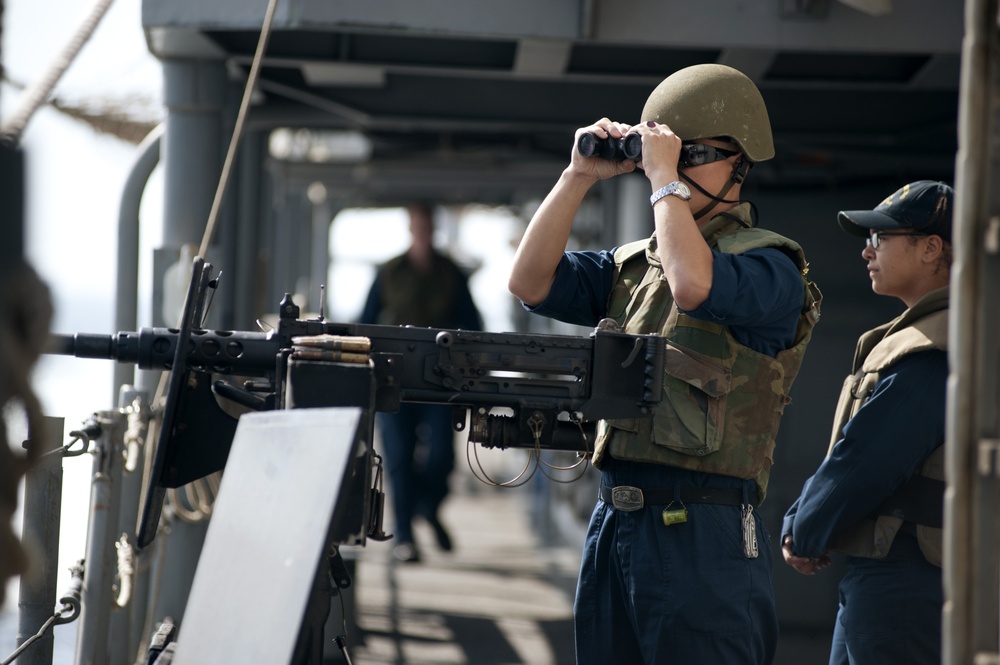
(105, 500)
(290, 221)
(126, 287)
(42, 516)
(127, 621)
(632, 210)
(194, 93)
(319, 260)
(191, 152)
(229, 224)
(246, 283)
(972, 529)
(192, 156)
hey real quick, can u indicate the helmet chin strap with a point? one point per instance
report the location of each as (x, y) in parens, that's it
(740, 170)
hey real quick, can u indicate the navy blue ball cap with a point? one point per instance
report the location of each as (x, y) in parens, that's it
(924, 206)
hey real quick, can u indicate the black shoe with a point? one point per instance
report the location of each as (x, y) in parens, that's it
(406, 553)
(443, 539)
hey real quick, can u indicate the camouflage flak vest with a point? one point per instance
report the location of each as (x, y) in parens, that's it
(722, 401)
(920, 328)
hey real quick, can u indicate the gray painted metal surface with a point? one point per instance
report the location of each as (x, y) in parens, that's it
(191, 148)
(127, 286)
(851, 96)
(267, 535)
(741, 24)
(92, 647)
(972, 530)
(42, 517)
(553, 18)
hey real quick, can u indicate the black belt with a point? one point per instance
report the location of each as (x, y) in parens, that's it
(628, 498)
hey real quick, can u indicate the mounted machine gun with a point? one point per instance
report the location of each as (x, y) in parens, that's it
(553, 387)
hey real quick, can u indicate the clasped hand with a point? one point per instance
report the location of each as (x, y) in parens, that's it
(803, 564)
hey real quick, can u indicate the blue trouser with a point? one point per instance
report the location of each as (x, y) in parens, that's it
(419, 456)
(890, 609)
(685, 593)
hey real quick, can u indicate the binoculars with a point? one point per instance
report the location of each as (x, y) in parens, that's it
(617, 150)
(630, 147)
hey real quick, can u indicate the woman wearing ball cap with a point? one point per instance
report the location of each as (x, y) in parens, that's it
(877, 497)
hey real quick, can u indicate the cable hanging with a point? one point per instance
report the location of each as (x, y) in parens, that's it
(11, 131)
(227, 166)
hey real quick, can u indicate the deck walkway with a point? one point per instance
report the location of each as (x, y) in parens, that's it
(501, 596)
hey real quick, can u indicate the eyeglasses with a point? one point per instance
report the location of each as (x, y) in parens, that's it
(696, 154)
(876, 238)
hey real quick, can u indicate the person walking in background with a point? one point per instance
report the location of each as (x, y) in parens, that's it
(878, 496)
(676, 565)
(421, 287)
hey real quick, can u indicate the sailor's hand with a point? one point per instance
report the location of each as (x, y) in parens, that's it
(595, 167)
(661, 153)
(802, 564)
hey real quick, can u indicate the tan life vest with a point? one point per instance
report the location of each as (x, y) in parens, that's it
(722, 401)
(920, 328)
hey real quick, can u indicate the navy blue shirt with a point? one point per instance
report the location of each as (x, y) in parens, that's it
(881, 447)
(758, 294)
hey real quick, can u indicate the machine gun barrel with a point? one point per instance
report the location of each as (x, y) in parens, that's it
(219, 351)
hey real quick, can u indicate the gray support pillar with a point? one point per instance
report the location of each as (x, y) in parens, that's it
(300, 267)
(972, 529)
(193, 146)
(92, 644)
(246, 286)
(127, 622)
(222, 251)
(635, 219)
(319, 260)
(192, 152)
(291, 218)
(42, 517)
(127, 285)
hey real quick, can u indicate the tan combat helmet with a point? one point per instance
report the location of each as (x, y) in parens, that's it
(706, 101)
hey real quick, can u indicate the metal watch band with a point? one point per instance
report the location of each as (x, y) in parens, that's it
(670, 189)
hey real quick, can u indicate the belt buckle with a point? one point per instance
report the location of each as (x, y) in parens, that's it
(626, 498)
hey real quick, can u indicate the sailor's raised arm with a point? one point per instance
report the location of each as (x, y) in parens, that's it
(545, 239)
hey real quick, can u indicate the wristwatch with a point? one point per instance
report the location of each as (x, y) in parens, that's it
(675, 188)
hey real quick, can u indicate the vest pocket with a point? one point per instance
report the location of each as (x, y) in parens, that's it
(691, 417)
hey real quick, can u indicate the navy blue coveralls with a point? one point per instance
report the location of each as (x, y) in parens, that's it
(890, 609)
(685, 593)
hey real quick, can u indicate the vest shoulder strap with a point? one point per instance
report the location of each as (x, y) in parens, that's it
(631, 250)
(756, 238)
(930, 332)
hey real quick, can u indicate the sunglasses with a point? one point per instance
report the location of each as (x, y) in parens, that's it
(696, 154)
(876, 238)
